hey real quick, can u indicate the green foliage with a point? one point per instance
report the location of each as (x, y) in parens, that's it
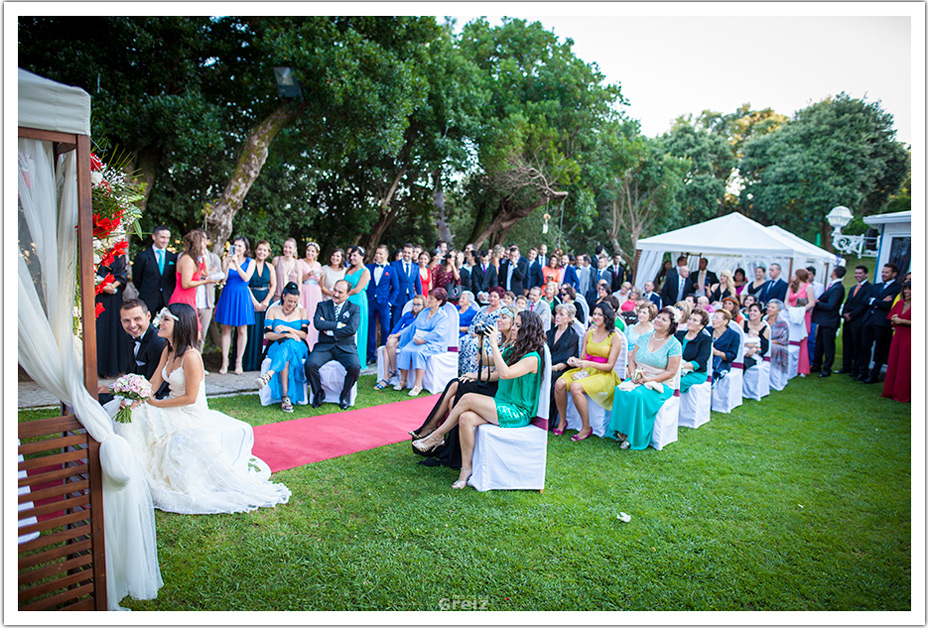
(841, 151)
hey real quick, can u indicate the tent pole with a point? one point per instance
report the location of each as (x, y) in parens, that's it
(791, 267)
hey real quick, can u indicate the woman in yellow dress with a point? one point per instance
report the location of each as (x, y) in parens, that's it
(592, 374)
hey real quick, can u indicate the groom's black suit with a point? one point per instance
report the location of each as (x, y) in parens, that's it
(335, 343)
(145, 362)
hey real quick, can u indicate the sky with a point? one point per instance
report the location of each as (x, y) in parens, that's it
(671, 65)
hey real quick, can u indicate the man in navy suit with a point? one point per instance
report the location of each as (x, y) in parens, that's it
(877, 331)
(410, 285)
(617, 272)
(677, 286)
(154, 271)
(855, 307)
(535, 278)
(483, 274)
(337, 321)
(650, 295)
(826, 318)
(382, 291)
(513, 272)
(775, 288)
(600, 274)
(571, 278)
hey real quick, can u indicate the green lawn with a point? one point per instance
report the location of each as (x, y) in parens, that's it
(798, 502)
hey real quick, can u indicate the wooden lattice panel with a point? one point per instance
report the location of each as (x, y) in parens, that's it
(62, 569)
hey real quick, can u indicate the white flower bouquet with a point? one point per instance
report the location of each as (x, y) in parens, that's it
(131, 387)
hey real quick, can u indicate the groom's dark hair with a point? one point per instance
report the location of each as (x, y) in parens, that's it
(185, 328)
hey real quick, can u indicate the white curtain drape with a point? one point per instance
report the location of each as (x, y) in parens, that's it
(649, 264)
(50, 353)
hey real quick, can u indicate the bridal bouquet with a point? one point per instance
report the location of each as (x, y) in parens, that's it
(131, 387)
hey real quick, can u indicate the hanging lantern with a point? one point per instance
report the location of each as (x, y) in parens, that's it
(547, 217)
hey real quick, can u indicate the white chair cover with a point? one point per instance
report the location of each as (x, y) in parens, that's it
(581, 302)
(695, 405)
(579, 328)
(668, 418)
(514, 458)
(726, 396)
(599, 416)
(757, 380)
(443, 367)
(332, 375)
(797, 332)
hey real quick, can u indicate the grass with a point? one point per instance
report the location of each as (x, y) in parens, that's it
(798, 502)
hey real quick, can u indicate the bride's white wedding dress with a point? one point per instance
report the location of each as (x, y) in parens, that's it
(197, 460)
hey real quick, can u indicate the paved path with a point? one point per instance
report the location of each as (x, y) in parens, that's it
(31, 395)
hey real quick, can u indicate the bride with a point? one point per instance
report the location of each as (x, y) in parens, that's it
(196, 460)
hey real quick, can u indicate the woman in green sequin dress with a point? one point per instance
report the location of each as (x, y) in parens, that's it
(516, 400)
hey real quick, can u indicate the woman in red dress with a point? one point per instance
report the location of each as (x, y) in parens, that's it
(425, 272)
(191, 271)
(898, 384)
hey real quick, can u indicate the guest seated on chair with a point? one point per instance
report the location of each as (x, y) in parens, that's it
(393, 340)
(484, 381)
(755, 327)
(467, 309)
(427, 336)
(724, 288)
(563, 344)
(569, 296)
(337, 321)
(632, 301)
(467, 355)
(779, 335)
(697, 349)
(724, 345)
(286, 327)
(520, 371)
(593, 375)
(646, 311)
(653, 363)
(730, 305)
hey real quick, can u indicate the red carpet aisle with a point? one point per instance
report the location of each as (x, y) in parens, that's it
(294, 443)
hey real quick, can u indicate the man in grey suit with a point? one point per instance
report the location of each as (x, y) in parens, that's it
(337, 321)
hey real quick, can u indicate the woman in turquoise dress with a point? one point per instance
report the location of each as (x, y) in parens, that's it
(358, 277)
(263, 286)
(427, 336)
(655, 358)
(286, 326)
(520, 373)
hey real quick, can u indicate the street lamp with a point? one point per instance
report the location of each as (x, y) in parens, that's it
(838, 218)
(287, 86)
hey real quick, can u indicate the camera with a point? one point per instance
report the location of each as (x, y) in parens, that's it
(483, 329)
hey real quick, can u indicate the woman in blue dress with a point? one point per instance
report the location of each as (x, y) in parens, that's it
(286, 326)
(427, 336)
(263, 286)
(467, 311)
(655, 358)
(235, 308)
(358, 277)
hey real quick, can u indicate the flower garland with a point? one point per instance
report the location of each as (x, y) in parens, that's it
(114, 200)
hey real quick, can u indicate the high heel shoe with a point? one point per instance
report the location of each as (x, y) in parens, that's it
(577, 438)
(423, 444)
(462, 483)
(558, 431)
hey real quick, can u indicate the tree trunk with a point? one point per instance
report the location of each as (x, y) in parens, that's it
(220, 214)
(147, 160)
(441, 215)
(385, 215)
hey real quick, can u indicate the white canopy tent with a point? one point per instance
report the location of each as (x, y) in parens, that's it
(54, 198)
(729, 242)
(807, 254)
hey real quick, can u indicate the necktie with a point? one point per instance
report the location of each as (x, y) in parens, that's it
(138, 343)
(407, 268)
(338, 310)
(160, 261)
(856, 290)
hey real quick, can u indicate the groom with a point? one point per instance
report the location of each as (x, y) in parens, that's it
(145, 346)
(337, 321)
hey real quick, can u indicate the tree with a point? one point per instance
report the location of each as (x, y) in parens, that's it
(542, 113)
(841, 151)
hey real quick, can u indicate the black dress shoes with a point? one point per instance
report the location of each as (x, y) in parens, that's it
(815, 369)
(344, 404)
(824, 374)
(317, 402)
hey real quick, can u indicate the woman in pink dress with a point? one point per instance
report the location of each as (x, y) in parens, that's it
(800, 288)
(311, 294)
(288, 268)
(191, 272)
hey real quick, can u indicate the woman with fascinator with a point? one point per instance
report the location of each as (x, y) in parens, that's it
(654, 363)
(196, 460)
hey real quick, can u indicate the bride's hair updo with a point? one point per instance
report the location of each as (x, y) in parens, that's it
(185, 328)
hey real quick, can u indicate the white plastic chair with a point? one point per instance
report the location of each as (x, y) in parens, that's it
(514, 458)
(726, 396)
(666, 423)
(757, 380)
(778, 377)
(599, 416)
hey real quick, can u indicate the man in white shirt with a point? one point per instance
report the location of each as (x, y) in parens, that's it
(650, 295)
(535, 304)
(705, 278)
(543, 255)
